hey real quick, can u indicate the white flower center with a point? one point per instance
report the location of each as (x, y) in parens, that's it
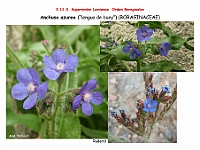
(31, 87)
(87, 96)
(131, 49)
(60, 66)
(163, 47)
(149, 105)
(144, 34)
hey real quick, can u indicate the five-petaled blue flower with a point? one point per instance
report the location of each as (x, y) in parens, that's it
(86, 96)
(166, 89)
(132, 50)
(29, 85)
(144, 33)
(164, 48)
(150, 105)
(60, 64)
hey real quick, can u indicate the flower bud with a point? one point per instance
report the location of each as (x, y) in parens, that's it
(41, 107)
(123, 115)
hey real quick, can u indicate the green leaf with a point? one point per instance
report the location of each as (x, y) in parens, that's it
(43, 130)
(167, 31)
(52, 85)
(188, 46)
(161, 66)
(152, 24)
(67, 125)
(112, 63)
(105, 58)
(29, 120)
(14, 57)
(94, 133)
(75, 33)
(10, 131)
(190, 38)
(176, 42)
(155, 40)
(104, 68)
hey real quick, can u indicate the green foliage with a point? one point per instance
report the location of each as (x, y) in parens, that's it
(163, 66)
(67, 125)
(112, 55)
(82, 41)
(30, 120)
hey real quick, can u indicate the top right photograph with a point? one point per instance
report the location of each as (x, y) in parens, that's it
(147, 46)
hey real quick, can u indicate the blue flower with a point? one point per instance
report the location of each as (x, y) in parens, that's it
(144, 33)
(166, 89)
(106, 45)
(153, 90)
(164, 48)
(115, 43)
(113, 114)
(29, 85)
(86, 96)
(60, 64)
(150, 105)
(132, 50)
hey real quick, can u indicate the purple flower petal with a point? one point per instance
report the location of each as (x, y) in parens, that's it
(51, 74)
(146, 109)
(149, 100)
(59, 55)
(42, 90)
(88, 86)
(144, 28)
(97, 98)
(132, 55)
(19, 91)
(152, 109)
(138, 53)
(87, 108)
(76, 102)
(147, 38)
(139, 32)
(140, 38)
(34, 75)
(126, 49)
(145, 104)
(49, 63)
(163, 52)
(129, 43)
(71, 63)
(155, 103)
(30, 101)
(23, 76)
(150, 32)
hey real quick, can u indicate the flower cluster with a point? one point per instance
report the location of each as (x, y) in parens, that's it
(147, 113)
(29, 84)
(144, 34)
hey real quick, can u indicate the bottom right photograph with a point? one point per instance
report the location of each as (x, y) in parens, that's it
(142, 107)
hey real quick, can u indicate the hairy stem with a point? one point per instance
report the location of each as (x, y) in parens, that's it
(52, 122)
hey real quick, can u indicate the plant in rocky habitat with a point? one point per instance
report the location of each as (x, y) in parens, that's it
(114, 57)
(150, 110)
(57, 90)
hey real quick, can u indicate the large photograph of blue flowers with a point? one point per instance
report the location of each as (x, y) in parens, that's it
(142, 107)
(54, 88)
(147, 46)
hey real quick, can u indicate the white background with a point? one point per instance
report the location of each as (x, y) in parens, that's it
(29, 12)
